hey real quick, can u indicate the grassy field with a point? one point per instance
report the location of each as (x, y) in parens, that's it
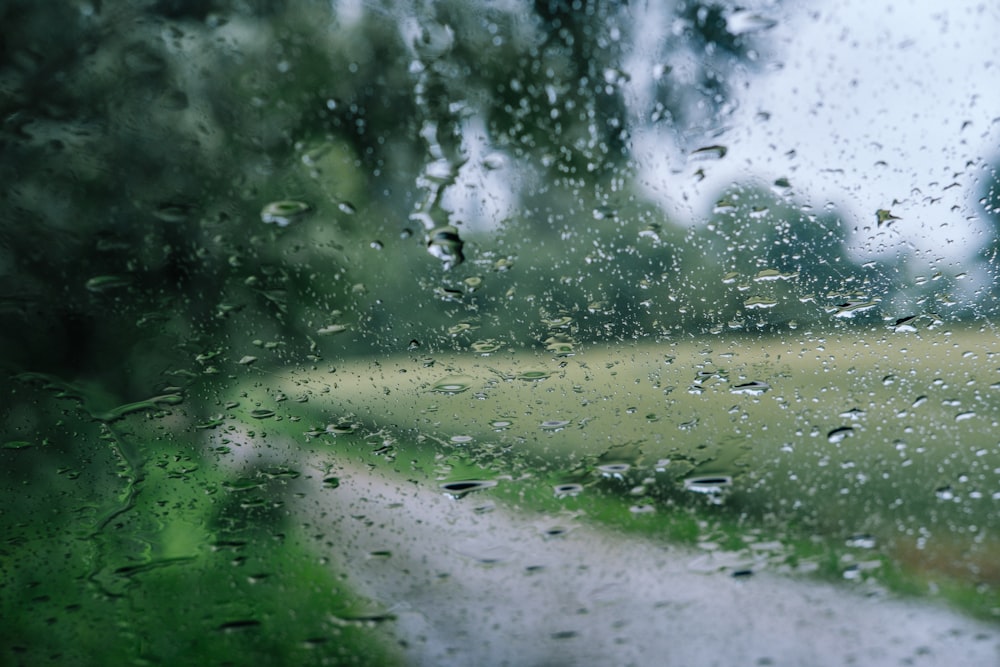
(125, 542)
(867, 455)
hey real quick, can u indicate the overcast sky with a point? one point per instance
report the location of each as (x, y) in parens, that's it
(867, 106)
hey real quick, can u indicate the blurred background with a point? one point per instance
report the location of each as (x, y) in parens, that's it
(197, 194)
(634, 168)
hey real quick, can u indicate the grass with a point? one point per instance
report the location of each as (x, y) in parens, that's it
(907, 490)
(126, 543)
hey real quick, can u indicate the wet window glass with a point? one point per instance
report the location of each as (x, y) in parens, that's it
(499, 332)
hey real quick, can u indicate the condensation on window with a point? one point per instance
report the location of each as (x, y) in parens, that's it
(560, 332)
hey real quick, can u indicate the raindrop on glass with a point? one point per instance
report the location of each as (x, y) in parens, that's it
(284, 212)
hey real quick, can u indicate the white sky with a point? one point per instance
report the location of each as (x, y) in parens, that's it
(869, 102)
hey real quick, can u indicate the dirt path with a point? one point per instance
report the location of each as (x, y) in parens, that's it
(473, 583)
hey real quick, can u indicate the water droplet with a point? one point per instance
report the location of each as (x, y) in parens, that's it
(261, 413)
(104, 283)
(854, 414)
(243, 484)
(759, 303)
(554, 424)
(904, 325)
(710, 485)
(503, 264)
(642, 509)
(155, 403)
(561, 345)
(172, 212)
(604, 213)
(463, 488)
(768, 275)
(567, 490)
(839, 434)
(311, 156)
(494, 161)
(861, 542)
(615, 470)
(246, 360)
(17, 444)
(782, 185)
(962, 416)
(533, 376)
(884, 217)
(155, 564)
(331, 329)
(453, 384)
(284, 212)
(331, 482)
(445, 244)
(461, 439)
(237, 626)
(615, 76)
(849, 309)
(714, 152)
(347, 207)
(557, 322)
(360, 619)
(651, 232)
(485, 346)
(281, 473)
(555, 531)
(724, 205)
(744, 21)
(755, 388)
(449, 294)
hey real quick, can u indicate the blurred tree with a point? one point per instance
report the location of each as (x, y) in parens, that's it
(774, 261)
(142, 140)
